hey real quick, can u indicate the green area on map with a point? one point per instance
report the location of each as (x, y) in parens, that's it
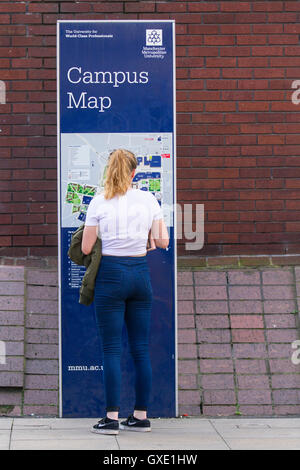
(75, 208)
(89, 190)
(72, 198)
(154, 184)
(74, 195)
(75, 187)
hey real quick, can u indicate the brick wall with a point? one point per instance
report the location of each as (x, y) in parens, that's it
(29, 330)
(236, 327)
(238, 154)
(238, 144)
(236, 330)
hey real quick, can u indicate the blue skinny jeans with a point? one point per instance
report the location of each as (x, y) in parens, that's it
(123, 291)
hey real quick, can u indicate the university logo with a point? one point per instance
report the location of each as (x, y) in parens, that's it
(154, 37)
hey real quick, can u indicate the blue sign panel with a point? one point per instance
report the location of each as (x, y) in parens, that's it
(116, 88)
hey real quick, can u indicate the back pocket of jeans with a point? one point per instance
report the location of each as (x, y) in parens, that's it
(111, 280)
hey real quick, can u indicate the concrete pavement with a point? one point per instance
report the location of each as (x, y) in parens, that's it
(171, 434)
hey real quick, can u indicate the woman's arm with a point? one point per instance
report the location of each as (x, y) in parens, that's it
(150, 242)
(160, 233)
(89, 238)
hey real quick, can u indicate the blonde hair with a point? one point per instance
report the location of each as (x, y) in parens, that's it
(121, 163)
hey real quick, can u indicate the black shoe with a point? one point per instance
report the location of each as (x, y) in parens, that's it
(106, 426)
(134, 424)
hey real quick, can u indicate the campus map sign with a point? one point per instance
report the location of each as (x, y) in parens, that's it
(116, 89)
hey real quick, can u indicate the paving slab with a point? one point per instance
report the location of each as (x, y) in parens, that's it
(167, 434)
(283, 423)
(264, 444)
(53, 423)
(33, 421)
(262, 433)
(264, 427)
(4, 439)
(73, 423)
(180, 423)
(158, 440)
(268, 434)
(56, 433)
(105, 443)
(174, 434)
(48, 434)
(258, 422)
(6, 423)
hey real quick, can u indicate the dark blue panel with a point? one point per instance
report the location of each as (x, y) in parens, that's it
(143, 107)
(83, 394)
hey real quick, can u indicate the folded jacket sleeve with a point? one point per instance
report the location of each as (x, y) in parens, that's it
(91, 216)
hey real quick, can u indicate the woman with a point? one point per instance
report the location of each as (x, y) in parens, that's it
(124, 217)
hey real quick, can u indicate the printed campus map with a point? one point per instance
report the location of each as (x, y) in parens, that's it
(83, 169)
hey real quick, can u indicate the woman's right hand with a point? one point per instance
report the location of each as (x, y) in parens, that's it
(160, 233)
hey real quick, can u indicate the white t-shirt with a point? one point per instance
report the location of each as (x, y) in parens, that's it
(124, 221)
